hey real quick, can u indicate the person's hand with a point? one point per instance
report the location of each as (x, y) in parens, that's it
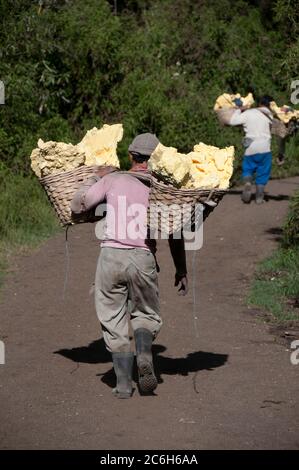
(182, 282)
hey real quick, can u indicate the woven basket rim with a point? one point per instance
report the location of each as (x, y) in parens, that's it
(151, 176)
(64, 174)
(186, 191)
(59, 189)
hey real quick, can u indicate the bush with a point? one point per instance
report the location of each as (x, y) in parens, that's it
(291, 227)
(155, 66)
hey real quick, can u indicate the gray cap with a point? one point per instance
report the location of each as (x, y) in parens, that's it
(144, 144)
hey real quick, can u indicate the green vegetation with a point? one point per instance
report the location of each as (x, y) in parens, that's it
(276, 286)
(24, 208)
(154, 65)
(291, 227)
(25, 214)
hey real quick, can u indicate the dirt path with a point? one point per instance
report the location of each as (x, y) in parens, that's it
(232, 387)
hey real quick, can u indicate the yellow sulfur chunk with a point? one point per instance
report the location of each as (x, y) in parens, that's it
(51, 158)
(248, 100)
(284, 113)
(216, 165)
(196, 157)
(207, 167)
(167, 162)
(224, 101)
(202, 177)
(227, 101)
(99, 145)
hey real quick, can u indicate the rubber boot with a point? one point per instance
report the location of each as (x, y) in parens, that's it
(123, 366)
(246, 194)
(146, 375)
(259, 195)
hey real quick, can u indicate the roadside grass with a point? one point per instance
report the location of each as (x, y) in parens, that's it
(275, 288)
(291, 164)
(26, 216)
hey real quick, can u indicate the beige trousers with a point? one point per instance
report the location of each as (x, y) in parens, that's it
(126, 289)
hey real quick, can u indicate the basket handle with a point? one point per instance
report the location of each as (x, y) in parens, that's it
(208, 200)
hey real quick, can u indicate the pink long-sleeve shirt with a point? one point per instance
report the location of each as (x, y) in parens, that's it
(127, 201)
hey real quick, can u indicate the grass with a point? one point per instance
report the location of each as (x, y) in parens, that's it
(291, 165)
(276, 286)
(26, 216)
(291, 227)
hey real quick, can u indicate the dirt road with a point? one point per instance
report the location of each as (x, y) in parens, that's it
(230, 387)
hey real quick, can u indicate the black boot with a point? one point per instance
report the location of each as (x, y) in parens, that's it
(123, 366)
(259, 195)
(147, 379)
(246, 194)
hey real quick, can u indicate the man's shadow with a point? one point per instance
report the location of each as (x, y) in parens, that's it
(267, 197)
(96, 353)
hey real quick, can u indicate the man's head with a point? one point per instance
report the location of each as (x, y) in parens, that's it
(265, 100)
(142, 147)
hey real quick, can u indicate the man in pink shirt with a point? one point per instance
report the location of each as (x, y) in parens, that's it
(126, 284)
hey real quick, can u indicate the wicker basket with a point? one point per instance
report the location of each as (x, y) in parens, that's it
(283, 130)
(61, 188)
(170, 209)
(224, 115)
(279, 128)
